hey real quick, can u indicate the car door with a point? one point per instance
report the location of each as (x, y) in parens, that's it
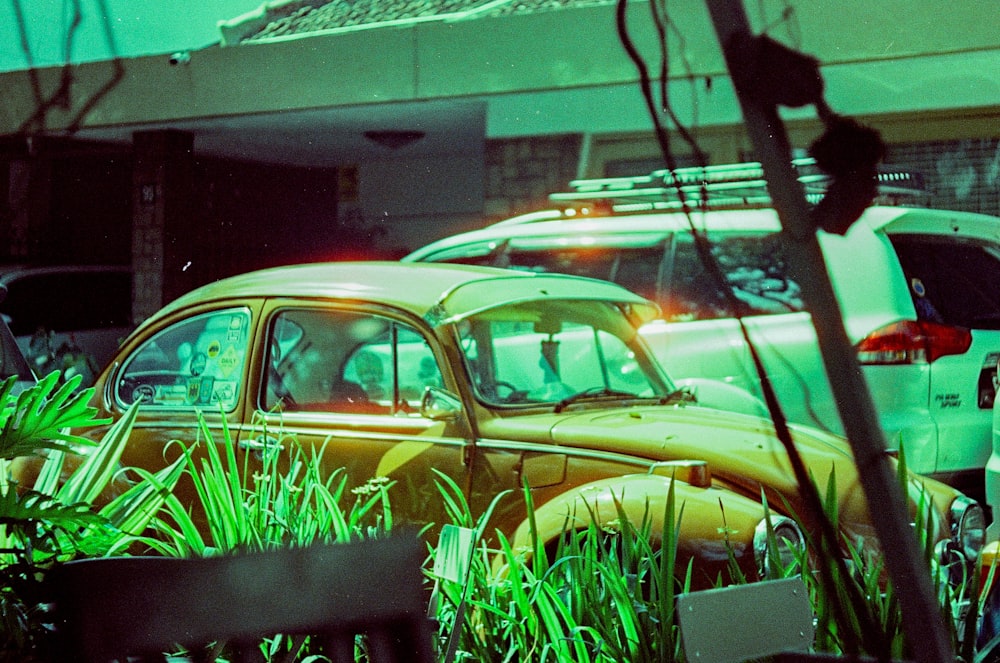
(192, 367)
(347, 381)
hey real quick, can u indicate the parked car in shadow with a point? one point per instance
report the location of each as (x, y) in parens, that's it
(68, 317)
(12, 361)
(914, 285)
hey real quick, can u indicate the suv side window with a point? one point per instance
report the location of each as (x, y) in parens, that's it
(693, 293)
(634, 267)
(342, 361)
(198, 362)
(753, 266)
(665, 268)
(472, 253)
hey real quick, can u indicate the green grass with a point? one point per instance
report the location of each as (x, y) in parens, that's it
(596, 595)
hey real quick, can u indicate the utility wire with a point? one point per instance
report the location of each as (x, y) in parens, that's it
(662, 21)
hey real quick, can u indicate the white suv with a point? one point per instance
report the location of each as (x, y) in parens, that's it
(917, 287)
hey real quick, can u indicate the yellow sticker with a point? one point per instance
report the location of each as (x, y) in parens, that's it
(213, 349)
(229, 360)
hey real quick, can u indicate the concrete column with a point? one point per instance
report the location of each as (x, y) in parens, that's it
(25, 191)
(17, 208)
(162, 201)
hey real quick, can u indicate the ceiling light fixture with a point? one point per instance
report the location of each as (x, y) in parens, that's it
(394, 138)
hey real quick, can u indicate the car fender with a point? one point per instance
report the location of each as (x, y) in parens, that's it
(715, 524)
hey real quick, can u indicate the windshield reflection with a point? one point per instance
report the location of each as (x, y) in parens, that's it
(545, 352)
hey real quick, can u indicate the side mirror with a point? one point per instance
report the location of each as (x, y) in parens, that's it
(440, 405)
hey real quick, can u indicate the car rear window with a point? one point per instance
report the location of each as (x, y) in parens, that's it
(952, 280)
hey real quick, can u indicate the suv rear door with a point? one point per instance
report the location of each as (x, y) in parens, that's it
(953, 282)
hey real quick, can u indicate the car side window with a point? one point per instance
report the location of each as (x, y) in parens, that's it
(344, 361)
(754, 268)
(12, 362)
(198, 362)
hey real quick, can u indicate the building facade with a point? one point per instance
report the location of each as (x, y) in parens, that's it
(310, 133)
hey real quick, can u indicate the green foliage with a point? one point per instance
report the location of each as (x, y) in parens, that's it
(601, 596)
(59, 517)
(597, 595)
(281, 498)
(36, 419)
(857, 608)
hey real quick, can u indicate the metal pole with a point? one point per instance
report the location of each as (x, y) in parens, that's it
(923, 623)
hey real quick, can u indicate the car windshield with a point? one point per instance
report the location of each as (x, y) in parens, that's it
(546, 351)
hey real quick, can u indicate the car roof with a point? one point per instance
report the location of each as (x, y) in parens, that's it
(925, 221)
(436, 291)
(580, 229)
(13, 271)
(577, 228)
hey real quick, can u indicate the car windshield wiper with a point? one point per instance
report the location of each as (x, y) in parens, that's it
(677, 397)
(594, 393)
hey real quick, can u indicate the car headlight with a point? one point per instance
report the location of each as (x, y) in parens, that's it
(968, 526)
(788, 539)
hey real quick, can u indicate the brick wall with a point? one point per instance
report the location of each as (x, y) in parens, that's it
(521, 172)
(960, 174)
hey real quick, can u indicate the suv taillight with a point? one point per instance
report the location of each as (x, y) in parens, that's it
(913, 342)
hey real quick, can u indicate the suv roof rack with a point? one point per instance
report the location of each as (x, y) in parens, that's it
(728, 185)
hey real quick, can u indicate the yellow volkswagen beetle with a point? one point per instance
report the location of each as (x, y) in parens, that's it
(498, 379)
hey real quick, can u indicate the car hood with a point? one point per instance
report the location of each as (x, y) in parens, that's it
(743, 453)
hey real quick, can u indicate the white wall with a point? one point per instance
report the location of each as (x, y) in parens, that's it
(138, 27)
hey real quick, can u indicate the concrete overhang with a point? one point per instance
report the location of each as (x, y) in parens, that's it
(308, 99)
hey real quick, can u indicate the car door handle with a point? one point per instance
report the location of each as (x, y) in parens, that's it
(262, 443)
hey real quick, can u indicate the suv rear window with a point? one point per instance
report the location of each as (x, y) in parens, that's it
(952, 280)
